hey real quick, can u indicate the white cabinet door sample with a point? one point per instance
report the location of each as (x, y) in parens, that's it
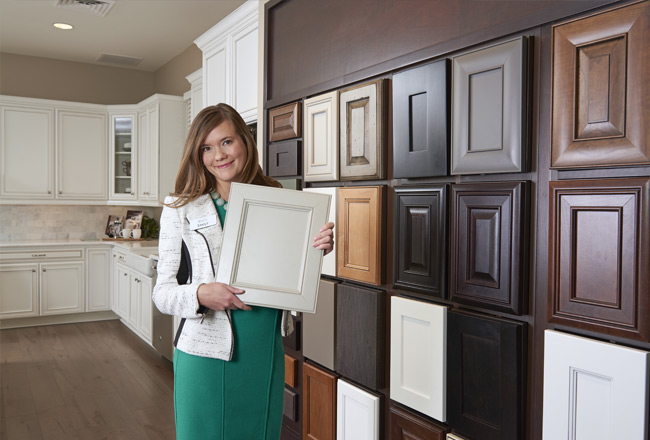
(357, 415)
(329, 260)
(267, 246)
(418, 356)
(321, 138)
(593, 390)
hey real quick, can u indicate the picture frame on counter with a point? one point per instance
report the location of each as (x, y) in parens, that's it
(133, 219)
(114, 226)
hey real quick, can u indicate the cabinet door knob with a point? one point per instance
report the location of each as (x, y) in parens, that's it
(44, 270)
(49, 192)
(125, 274)
(33, 270)
(60, 192)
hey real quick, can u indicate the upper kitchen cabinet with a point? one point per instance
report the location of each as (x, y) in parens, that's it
(230, 56)
(123, 160)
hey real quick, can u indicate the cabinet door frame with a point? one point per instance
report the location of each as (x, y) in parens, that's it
(31, 298)
(324, 165)
(98, 279)
(366, 412)
(45, 300)
(136, 141)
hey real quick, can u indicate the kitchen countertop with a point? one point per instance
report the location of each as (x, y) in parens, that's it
(126, 245)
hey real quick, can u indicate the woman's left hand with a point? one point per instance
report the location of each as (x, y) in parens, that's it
(325, 238)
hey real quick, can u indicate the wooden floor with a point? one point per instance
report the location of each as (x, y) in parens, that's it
(94, 380)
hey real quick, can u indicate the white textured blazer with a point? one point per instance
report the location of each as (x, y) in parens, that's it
(208, 335)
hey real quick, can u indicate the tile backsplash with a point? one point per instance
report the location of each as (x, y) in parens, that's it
(60, 222)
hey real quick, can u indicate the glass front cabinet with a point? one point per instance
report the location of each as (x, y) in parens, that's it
(124, 156)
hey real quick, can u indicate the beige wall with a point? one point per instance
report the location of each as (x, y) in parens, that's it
(170, 78)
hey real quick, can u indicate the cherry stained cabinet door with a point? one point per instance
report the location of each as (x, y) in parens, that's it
(489, 236)
(405, 425)
(359, 233)
(421, 239)
(319, 404)
(485, 376)
(421, 121)
(601, 85)
(599, 255)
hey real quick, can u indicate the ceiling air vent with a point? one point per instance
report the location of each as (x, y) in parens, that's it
(95, 7)
(118, 59)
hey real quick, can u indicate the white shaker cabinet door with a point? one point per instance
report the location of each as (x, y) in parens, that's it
(18, 290)
(98, 279)
(321, 146)
(244, 75)
(357, 415)
(418, 356)
(62, 288)
(593, 390)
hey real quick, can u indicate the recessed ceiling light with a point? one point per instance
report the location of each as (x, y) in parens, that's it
(63, 26)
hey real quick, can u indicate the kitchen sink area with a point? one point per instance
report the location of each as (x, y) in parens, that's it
(142, 259)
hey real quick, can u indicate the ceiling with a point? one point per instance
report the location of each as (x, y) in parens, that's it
(155, 30)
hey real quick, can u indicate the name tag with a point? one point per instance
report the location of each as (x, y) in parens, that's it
(204, 222)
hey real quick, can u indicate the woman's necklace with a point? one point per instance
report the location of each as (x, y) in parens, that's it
(219, 201)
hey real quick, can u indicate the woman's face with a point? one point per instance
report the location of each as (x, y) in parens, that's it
(224, 153)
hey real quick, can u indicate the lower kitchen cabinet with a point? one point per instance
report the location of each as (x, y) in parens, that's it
(98, 279)
(405, 425)
(133, 300)
(21, 278)
(62, 288)
(319, 404)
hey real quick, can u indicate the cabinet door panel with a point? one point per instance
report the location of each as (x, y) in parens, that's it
(19, 293)
(485, 376)
(593, 390)
(421, 239)
(98, 281)
(357, 413)
(291, 401)
(359, 234)
(62, 288)
(600, 89)
(421, 121)
(319, 404)
(407, 426)
(319, 330)
(329, 260)
(244, 71)
(360, 330)
(321, 153)
(598, 256)
(290, 371)
(284, 158)
(488, 109)
(489, 245)
(285, 122)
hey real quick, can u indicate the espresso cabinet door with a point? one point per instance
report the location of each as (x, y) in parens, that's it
(360, 335)
(319, 404)
(359, 233)
(319, 331)
(600, 89)
(405, 425)
(421, 121)
(421, 239)
(599, 256)
(489, 245)
(284, 158)
(285, 122)
(485, 376)
(357, 416)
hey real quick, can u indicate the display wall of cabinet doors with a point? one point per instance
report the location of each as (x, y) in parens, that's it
(600, 89)
(52, 150)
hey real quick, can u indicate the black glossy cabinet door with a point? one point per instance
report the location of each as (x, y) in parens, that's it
(421, 239)
(360, 335)
(489, 245)
(485, 376)
(421, 121)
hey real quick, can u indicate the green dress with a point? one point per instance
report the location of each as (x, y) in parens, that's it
(237, 400)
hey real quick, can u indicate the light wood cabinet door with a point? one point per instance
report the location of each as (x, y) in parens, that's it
(600, 89)
(98, 279)
(598, 256)
(319, 404)
(319, 329)
(321, 142)
(357, 413)
(82, 155)
(285, 122)
(26, 152)
(593, 390)
(405, 425)
(359, 234)
(61, 288)
(19, 293)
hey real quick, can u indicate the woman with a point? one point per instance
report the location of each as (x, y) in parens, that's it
(229, 358)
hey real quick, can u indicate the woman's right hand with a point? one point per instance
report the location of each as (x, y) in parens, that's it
(219, 296)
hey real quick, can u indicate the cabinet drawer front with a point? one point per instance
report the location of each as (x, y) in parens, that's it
(38, 254)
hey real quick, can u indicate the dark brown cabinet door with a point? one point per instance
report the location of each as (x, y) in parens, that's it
(405, 425)
(421, 239)
(489, 245)
(360, 334)
(284, 158)
(319, 404)
(285, 122)
(600, 89)
(599, 255)
(485, 376)
(421, 121)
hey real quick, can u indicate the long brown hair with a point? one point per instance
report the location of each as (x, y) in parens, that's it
(193, 179)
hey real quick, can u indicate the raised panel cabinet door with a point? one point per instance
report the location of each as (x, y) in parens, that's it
(319, 404)
(357, 413)
(284, 158)
(421, 239)
(405, 425)
(362, 128)
(593, 390)
(359, 234)
(599, 254)
(489, 122)
(360, 334)
(486, 376)
(98, 279)
(319, 329)
(26, 152)
(421, 121)
(489, 236)
(62, 288)
(285, 122)
(216, 79)
(122, 286)
(329, 260)
(244, 71)
(321, 154)
(145, 285)
(19, 293)
(82, 152)
(418, 356)
(601, 84)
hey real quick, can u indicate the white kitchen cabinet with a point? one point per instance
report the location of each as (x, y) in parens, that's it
(19, 292)
(196, 93)
(123, 162)
(148, 153)
(133, 300)
(230, 56)
(98, 279)
(122, 288)
(62, 287)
